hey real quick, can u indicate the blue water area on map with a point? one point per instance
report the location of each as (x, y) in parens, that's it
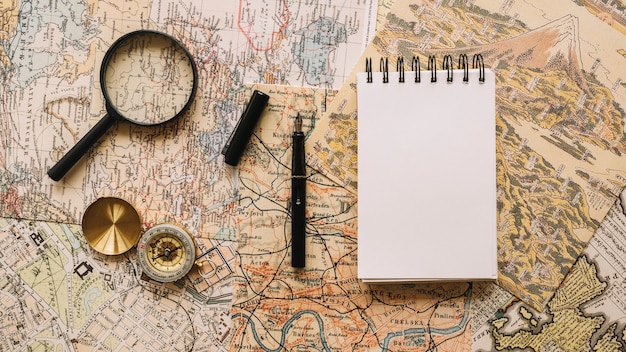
(210, 143)
(61, 21)
(90, 297)
(312, 52)
(417, 333)
(71, 238)
(288, 325)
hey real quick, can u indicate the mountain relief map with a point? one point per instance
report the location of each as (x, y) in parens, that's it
(559, 128)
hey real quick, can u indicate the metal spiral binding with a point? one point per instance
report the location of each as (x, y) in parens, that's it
(432, 66)
(384, 68)
(415, 66)
(400, 69)
(447, 64)
(463, 65)
(477, 62)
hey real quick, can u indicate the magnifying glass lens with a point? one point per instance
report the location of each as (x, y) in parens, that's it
(149, 79)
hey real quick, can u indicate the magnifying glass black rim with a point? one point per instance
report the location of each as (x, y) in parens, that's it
(105, 64)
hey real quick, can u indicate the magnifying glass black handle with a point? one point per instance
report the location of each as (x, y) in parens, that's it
(73, 155)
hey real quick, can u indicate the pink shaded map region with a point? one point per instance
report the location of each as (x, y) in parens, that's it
(254, 19)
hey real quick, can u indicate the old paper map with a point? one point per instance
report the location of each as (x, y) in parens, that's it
(59, 295)
(586, 312)
(51, 97)
(323, 306)
(560, 132)
(55, 292)
(559, 117)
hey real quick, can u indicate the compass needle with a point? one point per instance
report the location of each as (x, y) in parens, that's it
(166, 252)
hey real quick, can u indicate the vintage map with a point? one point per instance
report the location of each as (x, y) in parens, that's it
(323, 306)
(559, 127)
(560, 114)
(586, 313)
(57, 293)
(51, 97)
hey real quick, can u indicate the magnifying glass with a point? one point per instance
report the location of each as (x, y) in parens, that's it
(147, 78)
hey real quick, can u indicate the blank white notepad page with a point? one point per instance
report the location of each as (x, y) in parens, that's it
(427, 178)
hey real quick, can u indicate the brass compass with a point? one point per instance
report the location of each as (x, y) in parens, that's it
(111, 225)
(166, 252)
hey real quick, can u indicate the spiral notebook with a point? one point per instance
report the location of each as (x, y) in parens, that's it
(427, 172)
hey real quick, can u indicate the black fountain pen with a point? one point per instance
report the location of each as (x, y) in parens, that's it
(298, 196)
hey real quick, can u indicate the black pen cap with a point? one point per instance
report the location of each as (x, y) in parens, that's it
(241, 134)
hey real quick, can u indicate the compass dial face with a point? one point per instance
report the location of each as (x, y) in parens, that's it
(166, 252)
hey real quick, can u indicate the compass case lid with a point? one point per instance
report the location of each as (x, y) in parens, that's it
(111, 225)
